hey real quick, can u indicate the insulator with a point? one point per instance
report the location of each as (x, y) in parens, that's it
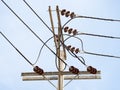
(74, 70)
(70, 30)
(68, 47)
(72, 49)
(38, 70)
(94, 71)
(71, 68)
(67, 13)
(35, 68)
(77, 50)
(77, 71)
(72, 15)
(75, 32)
(66, 29)
(91, 70)
(63, 12)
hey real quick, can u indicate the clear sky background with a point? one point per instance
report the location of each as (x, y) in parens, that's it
(12, 64)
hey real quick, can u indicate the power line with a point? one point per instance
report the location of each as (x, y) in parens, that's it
(104, 55)
(16, 48)
(97, 18)
(37, 15)
(96, 35)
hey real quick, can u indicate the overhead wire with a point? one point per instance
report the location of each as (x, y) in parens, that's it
(100, 36)
(104, 55)
(89, 17)
(37, 15)
(49, 81)
(41, 50)
(70, 80)
(16, 49)
(96, 35)
(97, 18)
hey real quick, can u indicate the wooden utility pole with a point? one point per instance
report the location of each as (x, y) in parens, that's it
(60, 63)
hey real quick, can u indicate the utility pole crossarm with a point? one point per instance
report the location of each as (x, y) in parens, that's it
(31, 76)
(55, 73)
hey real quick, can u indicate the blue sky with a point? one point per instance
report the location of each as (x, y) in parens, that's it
(12, 64)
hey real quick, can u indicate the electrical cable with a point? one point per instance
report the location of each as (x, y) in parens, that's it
(49, 81)
(31, 30)
(104, 55)
(97, 18)
(16, 48)
(40, 54)
(37, 15)
(70, 81)
(89, 34)
(41, 50)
